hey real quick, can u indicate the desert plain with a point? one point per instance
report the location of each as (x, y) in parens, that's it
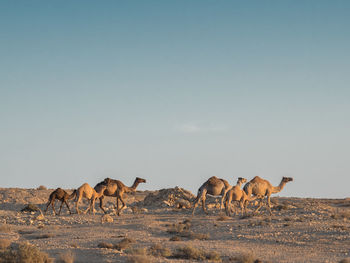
(158, 226)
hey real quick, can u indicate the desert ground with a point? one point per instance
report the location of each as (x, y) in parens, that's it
(158, 226)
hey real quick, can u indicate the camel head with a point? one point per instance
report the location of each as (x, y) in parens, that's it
(287, 179)
(241, 180)
(140, 180)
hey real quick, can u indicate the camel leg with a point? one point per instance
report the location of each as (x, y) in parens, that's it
(88, 208)
(260, 205)
(101, 204)
(269, 204)
(195, 203)
(77, 205)
(123, 205)
(59, 211)
(228, 205)
(53, 206)
(67, 206)
(47, 206)
(203, 204)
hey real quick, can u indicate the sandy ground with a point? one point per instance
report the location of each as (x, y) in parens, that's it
(300, 230)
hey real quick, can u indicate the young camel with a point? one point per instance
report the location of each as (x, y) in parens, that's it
(91, 194)
(213, 186)
(260, 188)
(236, 194)
(117, 189)
(61, 195)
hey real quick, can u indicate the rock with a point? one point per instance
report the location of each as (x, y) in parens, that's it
(106, 219)
(40, 217)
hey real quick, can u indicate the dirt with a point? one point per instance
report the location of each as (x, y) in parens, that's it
(300, 229)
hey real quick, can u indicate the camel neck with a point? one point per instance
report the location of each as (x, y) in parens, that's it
(278, 188)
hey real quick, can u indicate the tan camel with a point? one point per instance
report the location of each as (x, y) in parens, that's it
(117, 189)
(213, 186)
(91, 194)
(238, 195)
(260, 188)
(61, 195)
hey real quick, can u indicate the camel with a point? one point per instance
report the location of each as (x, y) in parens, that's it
(213, 186)
(117, 189)
(61, 195)
(260, 188)
(236, 194)
(91, 194)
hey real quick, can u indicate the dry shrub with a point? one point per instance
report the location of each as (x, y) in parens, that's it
(4, 243)
(189, 252)
(158, 250)
(66, 257)
(175, 238)
(43, 236)
(24, 253)
(179, 227)
(5, 228)
(223, 218)
(193, 236)
(124, 243)
(105, 245)
(247, 258)
(30, 208)
(74, 245)
(341, 215)
(138, 255)
(42, 187)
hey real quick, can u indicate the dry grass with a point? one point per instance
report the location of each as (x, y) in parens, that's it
(42, 187)
(24, 253)
(66, 257)
(223, 218)
(105, 245)
(158, 250)
(43, 236)
(138, 255)
(4, 243)
(341, 215)
(177, 228)
(5, 228)
(124, 244)
(247, 258)
(30, 208)
(189, 252)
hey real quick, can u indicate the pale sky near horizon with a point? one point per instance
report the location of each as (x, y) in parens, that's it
(175, 92)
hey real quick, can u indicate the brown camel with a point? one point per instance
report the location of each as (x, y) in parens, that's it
(213, 186)
(260, 188)
(117, 189)
(61, 195)
(236, 194)
(91, 194)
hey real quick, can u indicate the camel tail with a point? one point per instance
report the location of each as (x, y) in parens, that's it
(74, 194)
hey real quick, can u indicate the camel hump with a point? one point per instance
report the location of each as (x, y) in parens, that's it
(256, 179)
(213, 180)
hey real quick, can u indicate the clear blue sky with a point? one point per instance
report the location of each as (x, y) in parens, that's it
(175, 92)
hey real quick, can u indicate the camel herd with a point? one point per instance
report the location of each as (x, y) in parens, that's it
(257, 188)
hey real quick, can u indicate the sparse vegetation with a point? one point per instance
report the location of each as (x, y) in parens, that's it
(4, 243)
(66, 257)
(189, 252)
(158, 250)
(24, 253)
(30, 208)
(42, 187)
(138, 255)
(124, 244)
(342, 215)
(105, 245)
(5, 228)
(246, 258)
